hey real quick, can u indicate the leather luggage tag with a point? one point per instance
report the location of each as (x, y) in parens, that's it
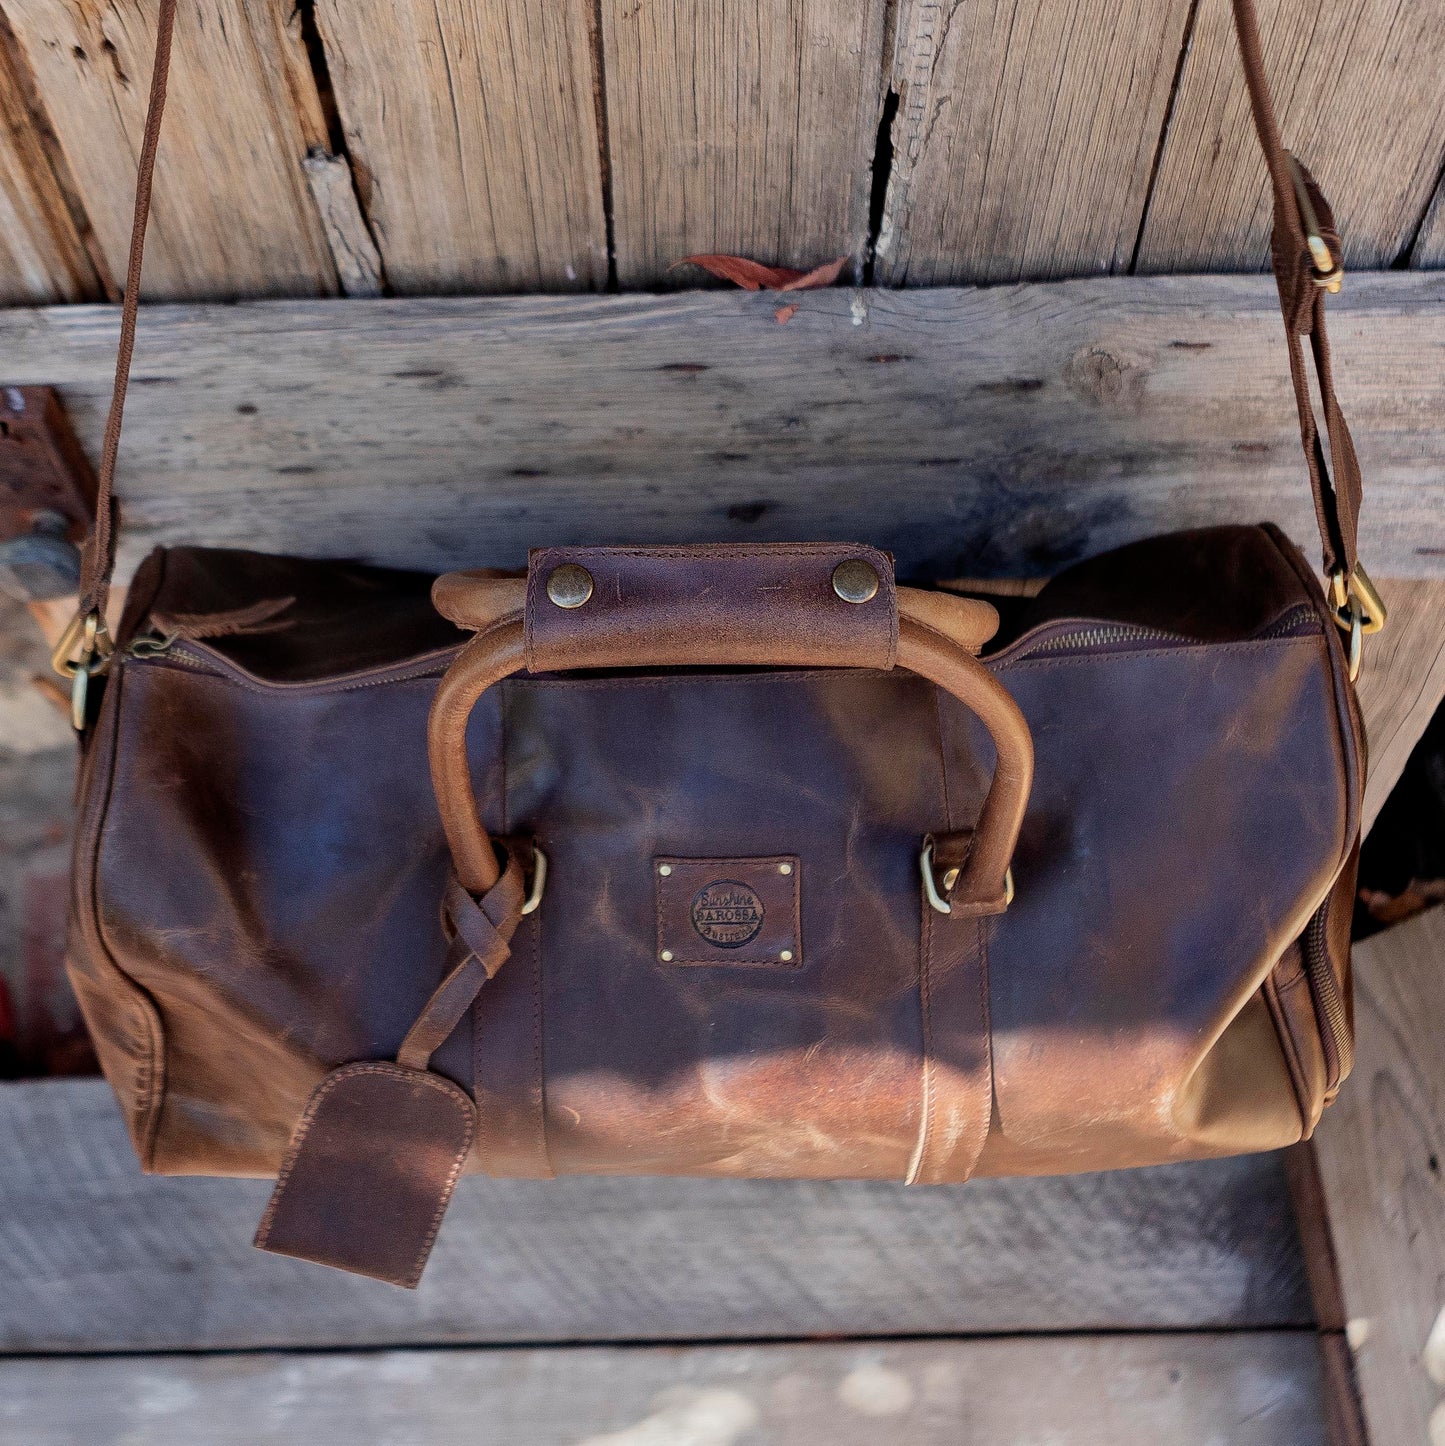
(729, 911)
(370, 1171)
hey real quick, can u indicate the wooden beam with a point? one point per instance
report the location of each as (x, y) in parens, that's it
(1025, 136)
(233, 215)
(741, 129)
(1361, 97)
(102, 1258)
(43, 255)
(358, 264)
(1002, 431)
(472, 127)
(1429, 249)
(1380, 1150)
(1402, 682)
(1189, 1390)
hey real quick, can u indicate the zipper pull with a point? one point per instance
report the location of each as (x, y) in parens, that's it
(152, 645)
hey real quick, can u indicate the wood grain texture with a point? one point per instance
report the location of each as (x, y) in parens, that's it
(233, 215)
(1004, 431)
(358, 264)
(1360, 92)
(1402, 682)
(1380, 1149)
(1188, 1390)
(745, 129)
(102, 1258)
(1429, 248)
(472, 127)
(1025, 136)
(43, 256)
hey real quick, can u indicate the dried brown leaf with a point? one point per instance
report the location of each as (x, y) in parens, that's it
(824, 275)
(750, 275)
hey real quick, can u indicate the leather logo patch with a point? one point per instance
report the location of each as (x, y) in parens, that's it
(727, 913)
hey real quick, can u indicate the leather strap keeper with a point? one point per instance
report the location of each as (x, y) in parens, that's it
(773, 605)
(370, 1171)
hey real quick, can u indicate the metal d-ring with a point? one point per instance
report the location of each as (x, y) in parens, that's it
(936, 900)
(539, 881)
(84, 650)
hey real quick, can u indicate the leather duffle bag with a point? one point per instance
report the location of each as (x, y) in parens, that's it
(721, 860)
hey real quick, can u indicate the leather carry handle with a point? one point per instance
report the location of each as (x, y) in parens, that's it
(500, 650)
(1305, 254)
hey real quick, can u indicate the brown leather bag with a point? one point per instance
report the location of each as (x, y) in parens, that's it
(746, 862)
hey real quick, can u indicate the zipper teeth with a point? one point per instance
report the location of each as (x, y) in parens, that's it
(178, 654)
(1334, 1032)
(1287, 623)
(1105, 633)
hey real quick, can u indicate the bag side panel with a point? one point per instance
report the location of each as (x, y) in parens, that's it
(122, 1018)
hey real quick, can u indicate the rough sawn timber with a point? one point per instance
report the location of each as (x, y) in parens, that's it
(103, 1259)
(1004, 431)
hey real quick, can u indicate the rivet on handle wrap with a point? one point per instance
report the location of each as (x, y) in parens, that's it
(727, 607)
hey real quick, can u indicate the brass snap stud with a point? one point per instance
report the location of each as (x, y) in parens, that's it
(855, 581)
(569, 586)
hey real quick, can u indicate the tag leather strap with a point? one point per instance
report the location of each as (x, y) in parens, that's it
(1302, 302)
(377, 1152)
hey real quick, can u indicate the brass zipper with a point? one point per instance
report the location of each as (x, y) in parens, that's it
(202, 659)
(1329, 1005)
(1294, 621)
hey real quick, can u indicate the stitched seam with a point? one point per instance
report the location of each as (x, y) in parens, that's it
(925, 1007)
(970, 647)
(452, 1094)
(942, 758)
(459, 1156)
(151, 1075)
(538, 1087)
(759, 675)
(1247, 645)
(676, 963)
(1353, 767)
(986, 1040)
(539, 1059)
(722, 550)
(1295, 1066)
(709, 866)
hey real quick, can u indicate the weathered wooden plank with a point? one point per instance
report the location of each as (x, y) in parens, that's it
(1004, 430)
(1361, 97)
(1188, 1390)
(473, 128)
(1402, 682)
(1380, 1149)
(358, 263)
(741, 129)
(1025, 136)
(233, 215)
(1429, 248)
(43, 256)
(101, 1258)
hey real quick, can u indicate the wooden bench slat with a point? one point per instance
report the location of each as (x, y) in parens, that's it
(1249, 1389)
(1380, 1151)
(1003, 431)
(100, 1258)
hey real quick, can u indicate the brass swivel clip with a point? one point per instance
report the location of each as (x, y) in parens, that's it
(84, 650)
(1358, 610)
(1328, 270)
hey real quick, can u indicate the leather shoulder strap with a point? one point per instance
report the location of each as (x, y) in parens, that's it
(1304, 253)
